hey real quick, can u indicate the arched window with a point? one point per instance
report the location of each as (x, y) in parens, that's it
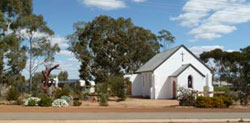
(190, 81)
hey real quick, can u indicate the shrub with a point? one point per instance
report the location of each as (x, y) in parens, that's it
(20, 101)
(223, 88)
(45, 101)
(64, 92)
(12, 94)
(218, 102)
(186, 97)
(102, 88)
(34, 99)
(227, 99)
(103, 98)
(118, 86)
(213, 102)
(77, 103)
(32, 103)
(60, 103)
(67, 98)
(203, 102)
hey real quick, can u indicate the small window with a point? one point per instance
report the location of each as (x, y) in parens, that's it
(190, 81)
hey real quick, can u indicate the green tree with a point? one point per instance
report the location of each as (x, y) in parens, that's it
(166, 38)
(10, 45)
(63, 76)
(37, 34)
(232, 67)
(109, 47)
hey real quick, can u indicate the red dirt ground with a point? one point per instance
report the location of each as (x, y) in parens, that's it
(130, 105)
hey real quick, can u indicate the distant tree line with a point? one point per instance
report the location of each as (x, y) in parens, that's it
(232, 67)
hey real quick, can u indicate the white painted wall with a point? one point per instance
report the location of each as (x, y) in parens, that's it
(146, 83)
(141, 84)
(163, 84)
(136, 84)
(198, 80)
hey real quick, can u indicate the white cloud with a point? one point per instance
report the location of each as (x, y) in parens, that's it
(197, 50)
(66, 53)
(139, 1)
(211, 19)
(73, 59)
(104, 4)
(61, 41)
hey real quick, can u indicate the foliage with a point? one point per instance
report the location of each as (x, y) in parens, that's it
(102, 88)
(62, 92)
(103, 99)
(108, 46)
(60, 103)
(45, 101)
(20, 101)
(77, 103)
(38, 47)
(32, 103)
(232, 67)
(222, 89)
(63, 76)
(12, 94)
(32, 100)
(213, 102)
(11, 49)
(118, 86)
(186, 97)
(203, 102)
(37, 86)
(227, 99)
(165, 38)
(67, 98)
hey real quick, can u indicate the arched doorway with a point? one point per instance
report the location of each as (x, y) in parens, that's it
(190, 81)
(174, 89)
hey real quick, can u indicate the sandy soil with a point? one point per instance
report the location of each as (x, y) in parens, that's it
(130, 105)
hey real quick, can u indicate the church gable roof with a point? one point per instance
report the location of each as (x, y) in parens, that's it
(160, 58)
(183, 68)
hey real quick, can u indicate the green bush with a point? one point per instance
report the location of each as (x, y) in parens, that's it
(223, 89)
(45, 101)
(102, 88)
(12, 94)
(227, 99)
(213, 102)
(32, 103)
(77, 103)
(186, 97)
(64, 92)
(103, 99)
(203, 102)
(218, 102)
(118, 86)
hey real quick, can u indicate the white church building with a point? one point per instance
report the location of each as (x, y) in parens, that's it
(162, 75)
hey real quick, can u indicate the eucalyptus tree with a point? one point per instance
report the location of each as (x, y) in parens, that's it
(232, 67)
(12, 53)
(166, 38)
(63, 76)
(34, 31)
(109, 47)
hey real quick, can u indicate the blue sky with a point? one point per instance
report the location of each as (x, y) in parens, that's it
(201, 25)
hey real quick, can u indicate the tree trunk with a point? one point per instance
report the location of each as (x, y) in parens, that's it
(30, 67)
